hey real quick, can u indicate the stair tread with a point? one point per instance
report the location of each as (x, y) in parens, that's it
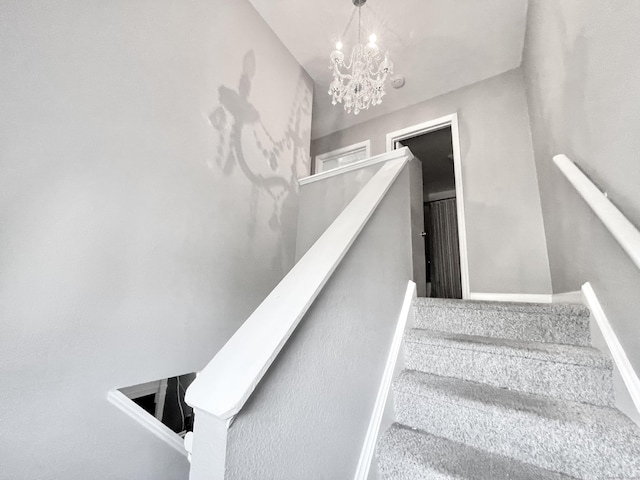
(409, 453)
(573, 309)
(561, 324)
(506, 390)
(481, 396)
(560, 353)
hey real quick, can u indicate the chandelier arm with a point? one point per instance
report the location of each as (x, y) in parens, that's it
(337, 72)
(343, 76)
(336, 68)
(347, 66)
(374, 71)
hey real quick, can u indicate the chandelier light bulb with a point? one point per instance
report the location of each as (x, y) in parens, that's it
(339, 45)
(373, 38)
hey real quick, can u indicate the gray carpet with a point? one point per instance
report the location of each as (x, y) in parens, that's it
(505, 390)
(553, 323)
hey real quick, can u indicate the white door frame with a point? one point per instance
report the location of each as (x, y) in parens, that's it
(430, 126)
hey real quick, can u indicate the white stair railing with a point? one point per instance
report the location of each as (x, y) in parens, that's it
(223, 387)
(620, 227)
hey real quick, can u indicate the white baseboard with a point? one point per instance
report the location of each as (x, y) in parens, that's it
(512, 297)
(373, 432)
(631, 383)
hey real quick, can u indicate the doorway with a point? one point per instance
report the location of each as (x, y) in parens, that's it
(436, 146)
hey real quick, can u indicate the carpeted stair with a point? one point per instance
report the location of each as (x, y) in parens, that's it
(505, 391)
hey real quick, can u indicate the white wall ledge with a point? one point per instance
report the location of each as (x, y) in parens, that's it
(383, 157)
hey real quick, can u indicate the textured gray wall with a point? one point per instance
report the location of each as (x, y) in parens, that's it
(140, 221)
(309, 415)
(505, 235)
(582, 77)
(323, 200)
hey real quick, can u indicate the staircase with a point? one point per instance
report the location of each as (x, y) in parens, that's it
(505, 391)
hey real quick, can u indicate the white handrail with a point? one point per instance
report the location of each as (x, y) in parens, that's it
(620, 227)
(226, 383)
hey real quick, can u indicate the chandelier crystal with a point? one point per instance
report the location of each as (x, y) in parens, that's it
(359, 83)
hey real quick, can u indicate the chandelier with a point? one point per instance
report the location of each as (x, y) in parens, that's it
(359, 83)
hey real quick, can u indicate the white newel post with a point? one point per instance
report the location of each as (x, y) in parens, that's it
(209, 445)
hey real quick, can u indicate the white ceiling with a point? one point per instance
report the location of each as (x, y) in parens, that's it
(438, 45)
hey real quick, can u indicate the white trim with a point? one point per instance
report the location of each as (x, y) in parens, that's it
(628, 374)
(367, 162)
(462, 224)
(371, 438)
(148, 421)
(512, 297)
(430, 126)
(341, 152)
(227, 382)
(157, 388)
(419, 129)
(620, 227)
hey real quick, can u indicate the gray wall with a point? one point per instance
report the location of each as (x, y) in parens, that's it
(308, 417)
(140, 221)
(582, 76)
(505, 235)
(323, 200)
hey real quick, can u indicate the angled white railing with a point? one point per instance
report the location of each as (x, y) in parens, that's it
(226, 383)
(628, 237)
(620, 227)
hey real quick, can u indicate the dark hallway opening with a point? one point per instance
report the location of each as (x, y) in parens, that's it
(435, 152)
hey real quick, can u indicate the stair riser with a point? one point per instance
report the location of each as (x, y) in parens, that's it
(533, 327)
(580, 450)
(559, 380)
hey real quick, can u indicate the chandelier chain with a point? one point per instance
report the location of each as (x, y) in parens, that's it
(360, 24)
(346, 29)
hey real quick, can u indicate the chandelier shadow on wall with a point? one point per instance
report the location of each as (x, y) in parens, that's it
(359, 82)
